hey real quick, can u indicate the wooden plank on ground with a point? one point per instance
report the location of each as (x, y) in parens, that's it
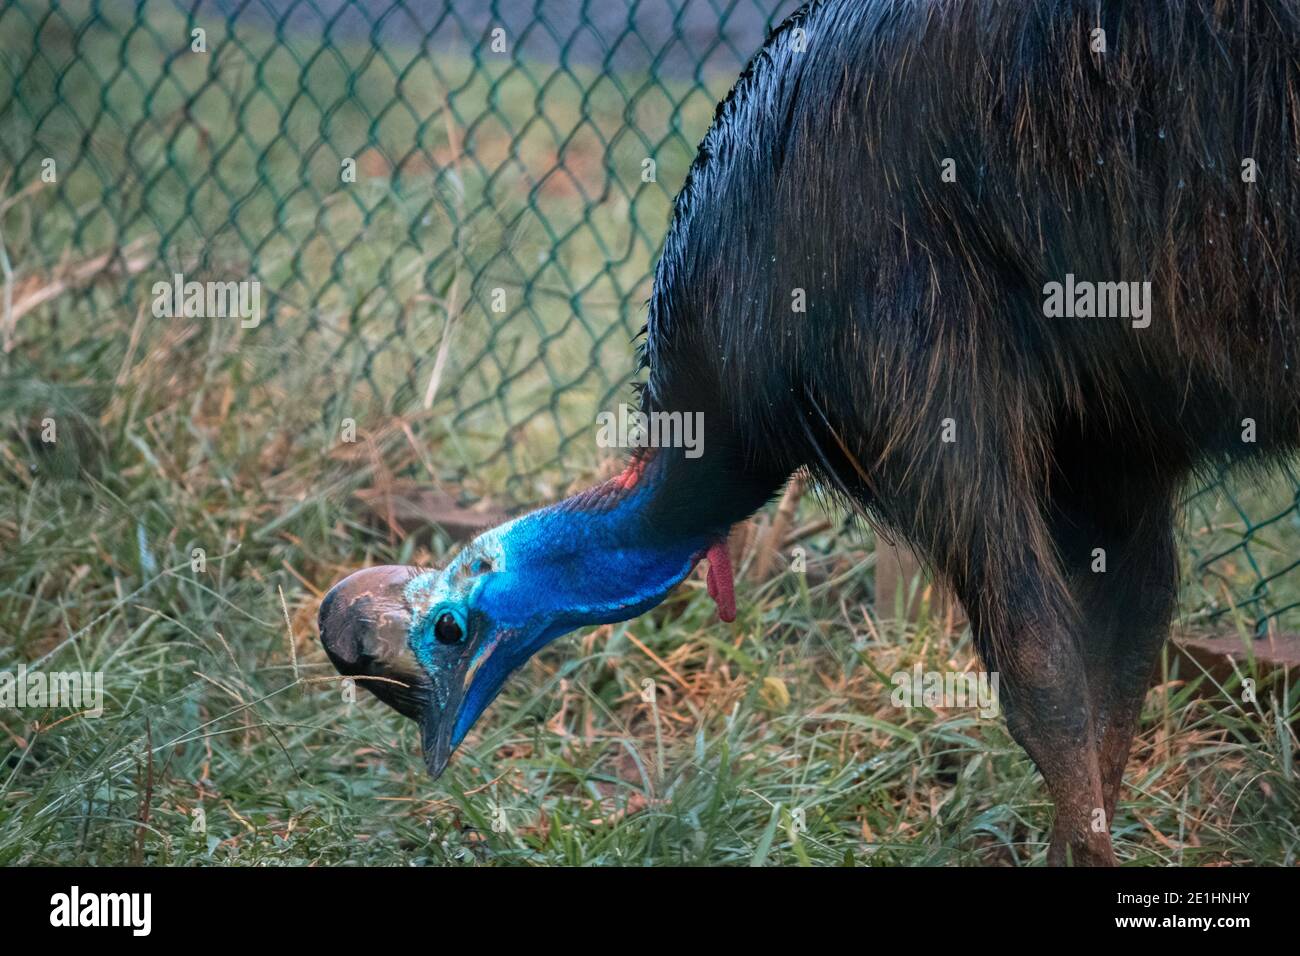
(1217, 653)
(407, 507)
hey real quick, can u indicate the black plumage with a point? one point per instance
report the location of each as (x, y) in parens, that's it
(1172, 157)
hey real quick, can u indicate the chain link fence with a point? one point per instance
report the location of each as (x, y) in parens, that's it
(451, 210)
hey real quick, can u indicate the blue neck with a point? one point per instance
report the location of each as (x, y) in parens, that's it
(592, 559)
(603, 556)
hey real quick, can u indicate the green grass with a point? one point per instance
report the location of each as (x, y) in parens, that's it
(211, 704)
(177, 434)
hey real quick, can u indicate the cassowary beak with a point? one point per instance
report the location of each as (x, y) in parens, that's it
(363, 627)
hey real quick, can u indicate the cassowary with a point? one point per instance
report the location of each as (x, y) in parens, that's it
(858, 281)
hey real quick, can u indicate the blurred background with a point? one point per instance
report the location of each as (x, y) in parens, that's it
(453, 211)
(475, 171)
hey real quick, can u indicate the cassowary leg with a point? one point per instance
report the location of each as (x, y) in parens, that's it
(1123, 574)
(1027, 636)
(1049, 713)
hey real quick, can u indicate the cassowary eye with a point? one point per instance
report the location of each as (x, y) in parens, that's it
(447, 630)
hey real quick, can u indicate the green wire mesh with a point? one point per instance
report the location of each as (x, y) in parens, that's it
(482, 274)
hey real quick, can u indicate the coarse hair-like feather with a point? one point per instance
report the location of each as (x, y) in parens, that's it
(822, 177)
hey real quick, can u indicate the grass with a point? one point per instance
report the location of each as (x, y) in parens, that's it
(213, 706)
(174, 435)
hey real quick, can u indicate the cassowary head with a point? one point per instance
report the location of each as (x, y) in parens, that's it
(437, 645)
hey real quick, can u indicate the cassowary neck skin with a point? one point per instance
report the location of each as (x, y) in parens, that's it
(603, 556)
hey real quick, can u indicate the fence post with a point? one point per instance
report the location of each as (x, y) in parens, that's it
(896, 568)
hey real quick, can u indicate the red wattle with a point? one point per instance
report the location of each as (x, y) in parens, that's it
(721, 581)
(630, 476)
